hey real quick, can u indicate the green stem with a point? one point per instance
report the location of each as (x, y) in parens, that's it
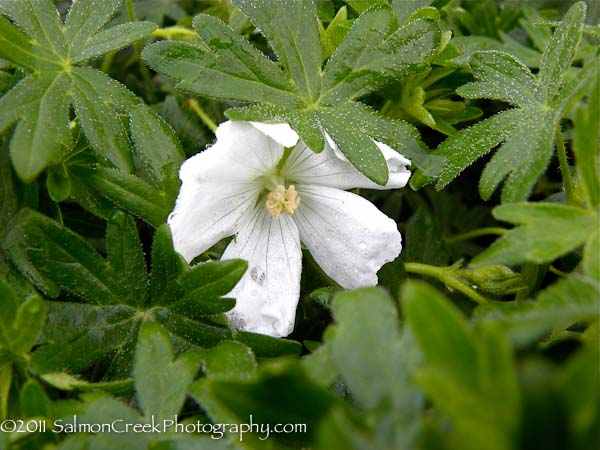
(445, 276)
(130, 10)
(564, 167)
(175, 33)
(476, 233)
(195, 106)
(108, 59)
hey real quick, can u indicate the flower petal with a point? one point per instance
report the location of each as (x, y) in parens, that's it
(346, 234)
(280, 132)
(304, 166)
(268, 293)
(219, 185)
(240, 154)
(207, 212)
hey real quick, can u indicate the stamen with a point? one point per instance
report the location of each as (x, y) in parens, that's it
(282, 200)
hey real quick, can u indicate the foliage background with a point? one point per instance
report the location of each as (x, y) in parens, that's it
(483, 335)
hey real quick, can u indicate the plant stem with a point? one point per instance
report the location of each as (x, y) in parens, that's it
(195, 106)
(130, 10)
(476, 233)
(445, 276)
(564, 167)
(174, 33)
(108, 59)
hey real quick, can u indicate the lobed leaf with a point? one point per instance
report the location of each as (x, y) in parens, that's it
(549, 231)
(132, 194)
(44, 250)
(161, 394)
(292, 30)
(568, 301)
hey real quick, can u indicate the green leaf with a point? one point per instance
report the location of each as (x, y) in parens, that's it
(100, 122)
(34, 401)
(201, 72)
(280, 393)
(205, 284)
(78, 335)
(527, 131)
(591, 256)
(291, 28)
(161, 393)
(404, 8)
(578, 383)
(468, 145)
(65, 382)
(559, 52)
(167, 266)
(570, 300)
(586, 146)
(530, 143)
(548, 232)
(230, 361)
(42, 248)
(21, 322)
(17, 48)
(380, 382)
(227, 67)
(35, 142)
(58, 183)
(441, 332)
(362, 65)
(126, 258)
(160, 153)
(358, 148)
(348, 65)
(41, 103)
(112, 39)
(86, 18)
(462, 370)
(132, 194)
(506, 79)
(28, 324)
(371, 376)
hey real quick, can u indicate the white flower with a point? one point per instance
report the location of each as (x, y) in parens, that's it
(270, 198)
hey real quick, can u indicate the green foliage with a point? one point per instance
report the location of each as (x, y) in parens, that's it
(101, 319)
(55, 53)
(548, 231)
(528, 130)
(461, 371)
(20, 325)
(117, 295)
(305, 95)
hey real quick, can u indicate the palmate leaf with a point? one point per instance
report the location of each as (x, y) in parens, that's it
(118, 295)
(573, 299)
(55, 53)
(20, 325)
(463, 369)
(548, 231)
(297, 90)
(527, 132)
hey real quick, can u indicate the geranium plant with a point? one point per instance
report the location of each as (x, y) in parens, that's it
(249, 224)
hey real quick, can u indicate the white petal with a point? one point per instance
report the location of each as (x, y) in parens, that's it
(398, 173)
(304, 166)
(207, 212)
(280, 132)
(241, 153)
(336, 150)
(268, 293)
(219, 185)
(347, 235)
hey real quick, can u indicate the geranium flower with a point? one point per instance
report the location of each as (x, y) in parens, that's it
(253, 185)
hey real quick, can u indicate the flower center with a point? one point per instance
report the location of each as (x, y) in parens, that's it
(282, 200)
